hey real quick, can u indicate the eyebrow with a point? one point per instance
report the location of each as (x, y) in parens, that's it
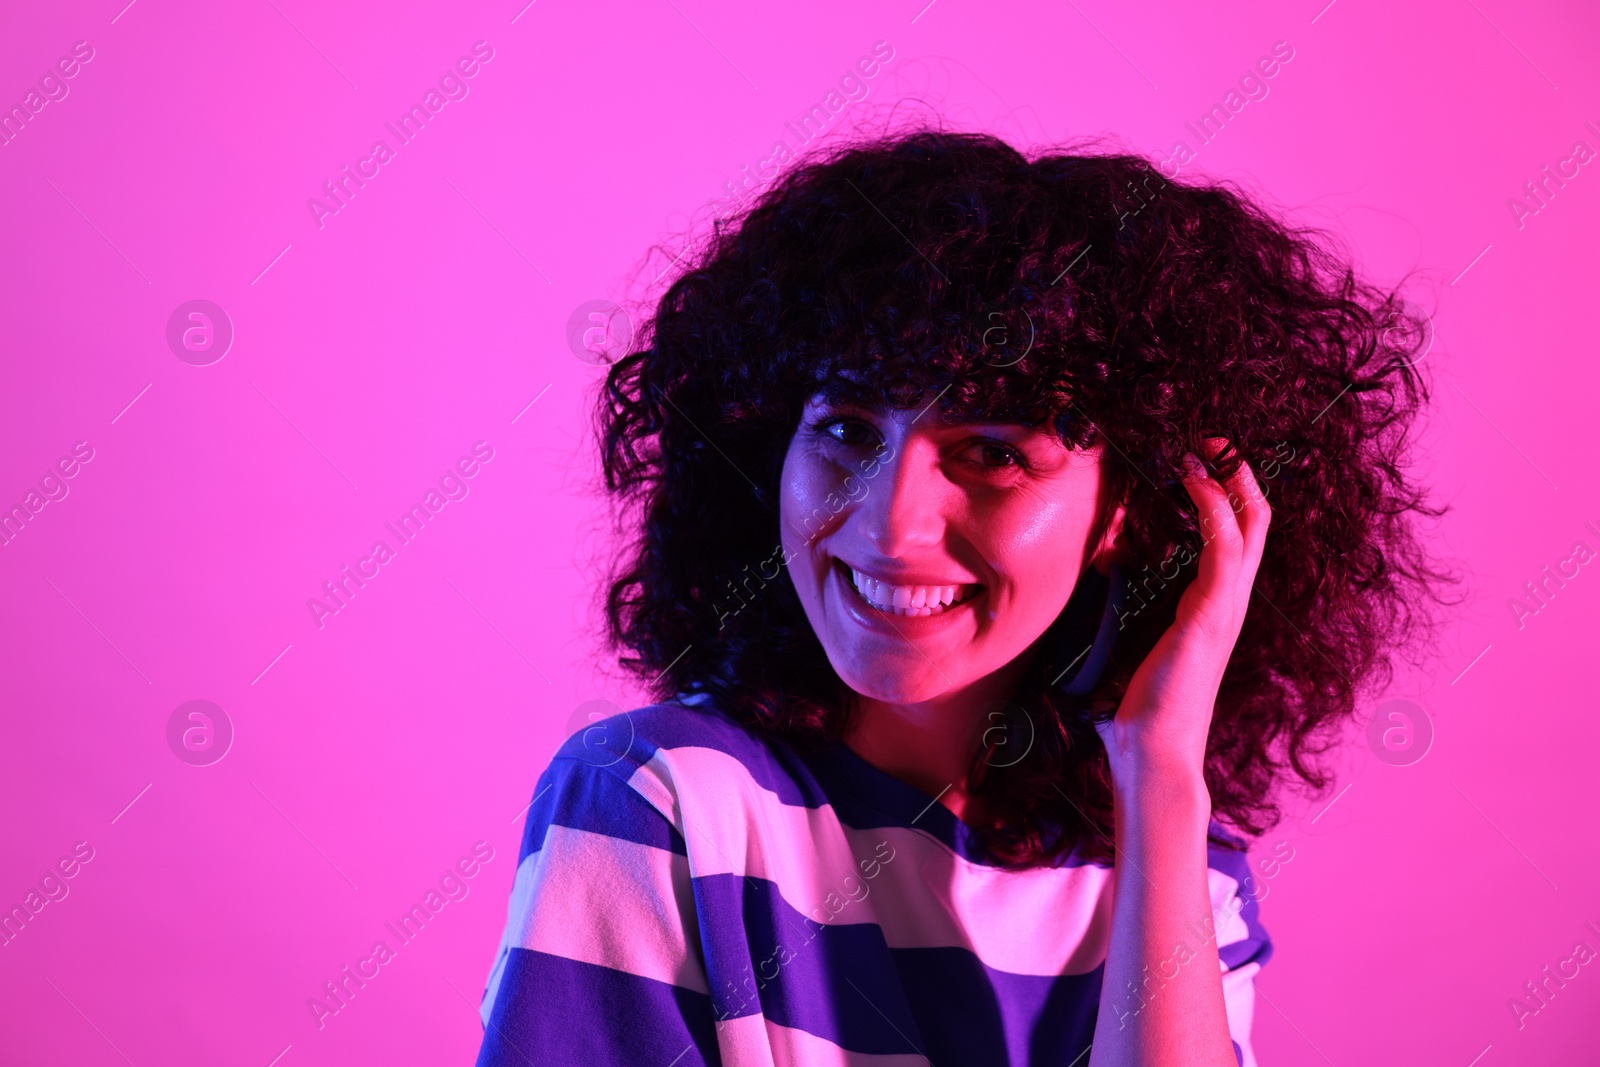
(967, 420)
(872, 401)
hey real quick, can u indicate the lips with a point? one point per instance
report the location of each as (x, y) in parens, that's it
(906, 600)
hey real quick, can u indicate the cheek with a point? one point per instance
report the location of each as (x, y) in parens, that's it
(803, 486)
(1039, 550)
(813, 493)
(803, 509)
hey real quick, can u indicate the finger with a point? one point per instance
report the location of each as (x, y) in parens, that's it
(1215, 591)
(1219, 507)
(1250, 505)
(1254, 515)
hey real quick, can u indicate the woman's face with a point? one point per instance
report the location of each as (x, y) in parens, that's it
(927, 555)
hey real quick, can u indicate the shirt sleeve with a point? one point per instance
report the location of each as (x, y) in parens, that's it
(1243, 945)
(600, 963)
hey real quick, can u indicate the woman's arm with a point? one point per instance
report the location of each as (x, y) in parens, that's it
(1161, 1002)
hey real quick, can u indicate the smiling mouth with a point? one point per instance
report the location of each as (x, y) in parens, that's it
(908, 600)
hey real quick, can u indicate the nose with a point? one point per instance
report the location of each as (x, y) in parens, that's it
(904, 506)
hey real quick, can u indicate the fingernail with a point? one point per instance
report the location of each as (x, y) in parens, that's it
(1192, 467)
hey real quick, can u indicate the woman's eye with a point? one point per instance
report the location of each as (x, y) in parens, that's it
(853, 433)
(846, 431)
(998, 456)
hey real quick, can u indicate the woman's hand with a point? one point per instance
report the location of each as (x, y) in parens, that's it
(1149, 1017)
(1165, 716)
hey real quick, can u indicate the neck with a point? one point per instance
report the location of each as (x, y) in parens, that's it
(930, 743)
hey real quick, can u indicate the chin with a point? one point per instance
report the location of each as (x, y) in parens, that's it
(904, 682)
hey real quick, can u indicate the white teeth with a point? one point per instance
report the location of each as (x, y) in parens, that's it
(906, 599)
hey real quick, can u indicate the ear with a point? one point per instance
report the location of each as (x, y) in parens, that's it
(1106, 550)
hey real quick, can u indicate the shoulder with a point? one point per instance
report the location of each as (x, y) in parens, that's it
(672, 756)
(628, 740)
(684, 733)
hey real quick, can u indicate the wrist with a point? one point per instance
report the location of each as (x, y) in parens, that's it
(1174, 795)
(1158, 769)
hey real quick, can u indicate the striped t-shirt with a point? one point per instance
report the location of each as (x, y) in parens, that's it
(690, 894)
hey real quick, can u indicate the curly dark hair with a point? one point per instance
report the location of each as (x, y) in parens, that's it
(1147, 312)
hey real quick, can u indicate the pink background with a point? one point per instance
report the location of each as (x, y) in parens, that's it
(425, 316)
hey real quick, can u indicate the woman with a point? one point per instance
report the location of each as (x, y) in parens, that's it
(951, 476)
